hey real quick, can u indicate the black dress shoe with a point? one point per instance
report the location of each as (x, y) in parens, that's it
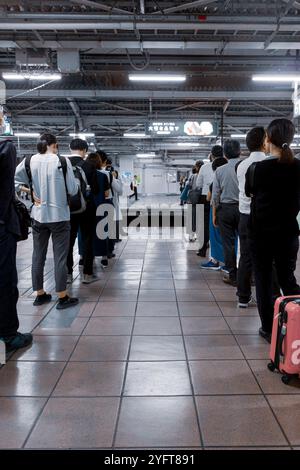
(229, 281)
(265, 335)
(202, 253)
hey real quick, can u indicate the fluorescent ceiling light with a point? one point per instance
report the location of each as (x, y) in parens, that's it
(188, 144)
(27, 134)
(238, 136)
(82, 135)
(297, 136)
(159, 77)
(276, 78)
(145, 155)
(31, 76)
(295, 145)
(136, 135)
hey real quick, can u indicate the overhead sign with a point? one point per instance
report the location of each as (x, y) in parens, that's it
(182, 128)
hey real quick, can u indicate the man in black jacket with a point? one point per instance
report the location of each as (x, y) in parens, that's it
(86, 220)
(9, 231)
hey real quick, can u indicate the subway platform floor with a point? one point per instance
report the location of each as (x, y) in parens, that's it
(156, 355)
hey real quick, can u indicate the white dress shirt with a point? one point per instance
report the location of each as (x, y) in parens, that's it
(205, 178)
(244, 201)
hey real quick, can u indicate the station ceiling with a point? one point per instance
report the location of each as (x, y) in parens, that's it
(218, 45)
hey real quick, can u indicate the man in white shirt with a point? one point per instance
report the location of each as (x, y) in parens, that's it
(204, 180)
(255, 143)
(51, 215)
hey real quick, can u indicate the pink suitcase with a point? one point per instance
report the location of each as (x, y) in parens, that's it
(285, 344)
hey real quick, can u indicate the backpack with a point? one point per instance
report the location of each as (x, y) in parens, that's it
(77, 203)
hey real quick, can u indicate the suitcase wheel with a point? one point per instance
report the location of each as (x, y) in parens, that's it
(286, 379)
(271, 366)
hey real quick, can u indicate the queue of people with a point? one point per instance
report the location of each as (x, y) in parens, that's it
(66, 195)
(255, 200)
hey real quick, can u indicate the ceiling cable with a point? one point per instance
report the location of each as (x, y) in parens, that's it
(29, 91)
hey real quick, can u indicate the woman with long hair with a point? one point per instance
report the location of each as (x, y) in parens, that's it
(274, 185)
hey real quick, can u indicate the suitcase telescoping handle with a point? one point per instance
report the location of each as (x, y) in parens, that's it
(281, 339)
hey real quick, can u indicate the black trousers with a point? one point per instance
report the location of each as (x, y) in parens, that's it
(86, 223)
(206, 204)
(134, 194)
(282, 249)
(228, 220)
(9, 293)
(245, 263)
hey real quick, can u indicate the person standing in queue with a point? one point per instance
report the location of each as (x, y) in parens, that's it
(9, 233)
(225, 199)
(203, 182)
(255, 141)
(274, 186)
(44, 174)
(85, 221)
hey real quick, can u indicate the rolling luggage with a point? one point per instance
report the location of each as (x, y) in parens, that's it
(285, 344)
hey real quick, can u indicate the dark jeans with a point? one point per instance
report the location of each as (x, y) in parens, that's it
(228, 220)
(206, 204)
(9, 294)
(283, 249)
(86, 223)
(245, 263)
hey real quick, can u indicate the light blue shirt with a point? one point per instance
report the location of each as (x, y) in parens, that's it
(49, 186)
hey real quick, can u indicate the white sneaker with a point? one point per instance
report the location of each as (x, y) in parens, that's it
(251, 303)
(89, 278)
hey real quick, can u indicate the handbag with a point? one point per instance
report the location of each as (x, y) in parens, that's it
(195, 196)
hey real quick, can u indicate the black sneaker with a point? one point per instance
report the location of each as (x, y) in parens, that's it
(42, 299)
(18, 341)
(66, 302)
(104, 263)
(265, 335)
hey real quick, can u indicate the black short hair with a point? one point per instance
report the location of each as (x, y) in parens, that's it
(218, 162)
(217, 151)
(232, 149)
(79, 144)
(255, 139)
(109, 161)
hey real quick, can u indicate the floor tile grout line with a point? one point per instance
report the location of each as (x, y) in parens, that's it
(126, 368)
(53, 388)
(233, 395)
(257, 382)
(190, 374)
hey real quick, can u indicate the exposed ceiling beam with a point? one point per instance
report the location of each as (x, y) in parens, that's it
(129, 25)
(154, 94)
(158, 44)
(186, 6)
(100, 6)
